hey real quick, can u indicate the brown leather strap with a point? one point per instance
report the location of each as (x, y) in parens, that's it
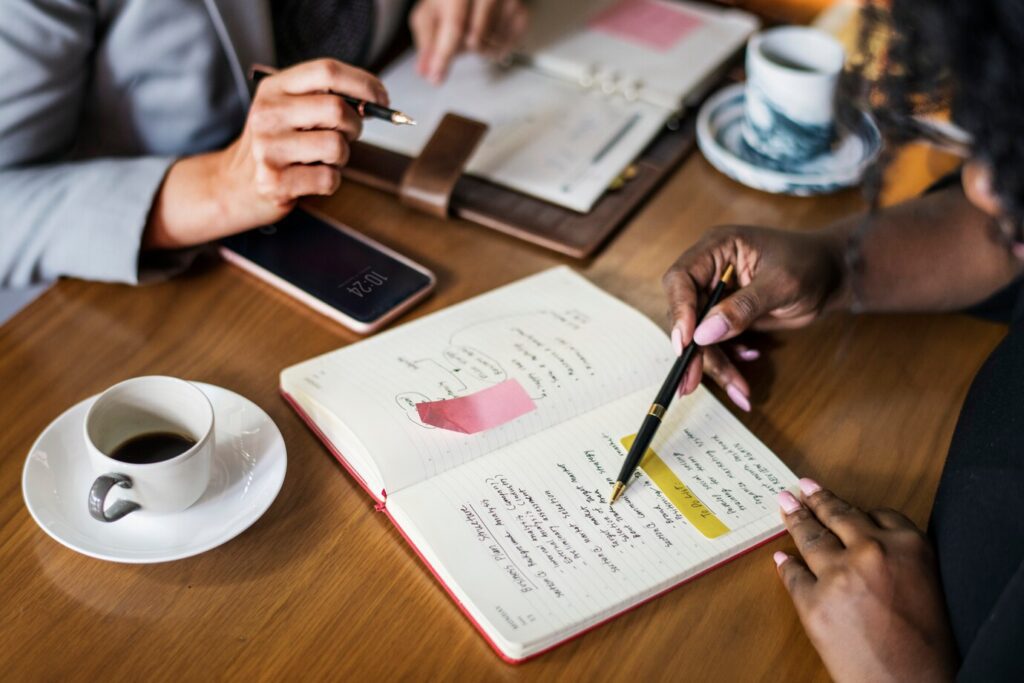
(428, 182)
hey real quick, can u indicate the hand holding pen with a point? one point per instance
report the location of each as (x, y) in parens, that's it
(785, 279)
(374, 107)
(294, 143)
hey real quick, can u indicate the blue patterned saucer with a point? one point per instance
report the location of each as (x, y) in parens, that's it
(720, 137)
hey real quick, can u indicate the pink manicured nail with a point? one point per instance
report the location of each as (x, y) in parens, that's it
(788, 503)
(711, 330)
(809, 486)
(779, 558)
(677, 340)
(749, 354)
(738, 397)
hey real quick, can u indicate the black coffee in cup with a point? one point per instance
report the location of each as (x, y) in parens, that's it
(153, 447)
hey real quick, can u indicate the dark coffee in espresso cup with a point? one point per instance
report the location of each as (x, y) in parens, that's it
(150, 439)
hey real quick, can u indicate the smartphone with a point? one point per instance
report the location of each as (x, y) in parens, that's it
(332, 269)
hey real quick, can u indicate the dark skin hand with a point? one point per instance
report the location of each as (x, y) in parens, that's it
(866, 588)
(940, 252)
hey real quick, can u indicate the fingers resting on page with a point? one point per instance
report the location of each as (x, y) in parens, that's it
(865, 586)
(442, 29)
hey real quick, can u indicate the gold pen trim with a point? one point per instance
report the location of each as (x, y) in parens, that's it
(617, 492)
(727, 275)
(657, 410)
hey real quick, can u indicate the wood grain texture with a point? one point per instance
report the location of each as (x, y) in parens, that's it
(324, 587)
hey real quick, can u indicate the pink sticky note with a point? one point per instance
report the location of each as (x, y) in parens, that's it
(653, 24)
(485, 409)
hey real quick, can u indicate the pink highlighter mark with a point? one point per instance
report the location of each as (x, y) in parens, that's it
(479, 411)
(653, 24)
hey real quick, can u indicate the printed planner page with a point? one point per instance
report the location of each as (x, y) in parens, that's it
(527, 540)
(552, 345)
(547, 138)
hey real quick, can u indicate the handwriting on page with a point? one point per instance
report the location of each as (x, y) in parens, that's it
(528, 532)
(484, 409)
(695, 511)
(650, 23)
(538, 349)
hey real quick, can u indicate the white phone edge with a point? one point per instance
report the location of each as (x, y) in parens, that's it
(324, 308)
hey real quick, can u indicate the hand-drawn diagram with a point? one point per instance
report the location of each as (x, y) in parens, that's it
(536, 348)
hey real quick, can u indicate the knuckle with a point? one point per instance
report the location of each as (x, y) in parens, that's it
(263, 116)
(332, 147)
(869, 552)
(744, 306)
(325, 180)
(268, 184)
(327, 69)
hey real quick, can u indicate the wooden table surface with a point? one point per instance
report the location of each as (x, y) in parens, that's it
(322, 586)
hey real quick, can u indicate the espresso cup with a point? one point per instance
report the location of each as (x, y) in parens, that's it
(792, 76)
(140, 411)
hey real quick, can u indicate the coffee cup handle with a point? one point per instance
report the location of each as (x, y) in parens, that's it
(98, 495)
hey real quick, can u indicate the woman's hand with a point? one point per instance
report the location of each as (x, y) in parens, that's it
(866, 590)
(786, 279)
(442, 29)
(295, 141)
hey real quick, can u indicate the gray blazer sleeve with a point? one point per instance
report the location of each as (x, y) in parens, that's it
(60, 217)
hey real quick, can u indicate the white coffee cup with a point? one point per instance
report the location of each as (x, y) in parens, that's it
(792, 76)
(142, 406)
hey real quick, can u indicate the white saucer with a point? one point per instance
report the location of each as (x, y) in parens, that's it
(720, 137)
(247, 473)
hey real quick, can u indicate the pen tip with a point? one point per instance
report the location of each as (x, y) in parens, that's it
(402, 119)
(616, 492)
(727, 275)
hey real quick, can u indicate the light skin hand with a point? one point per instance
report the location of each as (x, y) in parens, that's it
(866, 589)
(442, 29)
(295, 141)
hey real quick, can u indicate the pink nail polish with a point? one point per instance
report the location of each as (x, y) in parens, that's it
(779, 558)
(788, 502)
(749, 354)
(711, 330)
(809, 486)
(738, 397)
(677, 340)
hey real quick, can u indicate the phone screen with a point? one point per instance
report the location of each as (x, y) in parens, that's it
(332, 266)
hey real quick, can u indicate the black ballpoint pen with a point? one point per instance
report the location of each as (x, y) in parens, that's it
(363, 107)
(654, 416)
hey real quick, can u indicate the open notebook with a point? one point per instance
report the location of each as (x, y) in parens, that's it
(514, 520)
(596, 81)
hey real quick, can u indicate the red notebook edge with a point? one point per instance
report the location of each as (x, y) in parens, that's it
(381, 506)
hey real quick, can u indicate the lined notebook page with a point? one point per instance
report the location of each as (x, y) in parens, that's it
(526, 538)
(570, 345)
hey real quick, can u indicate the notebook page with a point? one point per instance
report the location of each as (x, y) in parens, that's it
(570, 345)
(527, 541)
(547, 138)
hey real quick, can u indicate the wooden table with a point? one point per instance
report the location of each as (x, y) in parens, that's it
(322, 586)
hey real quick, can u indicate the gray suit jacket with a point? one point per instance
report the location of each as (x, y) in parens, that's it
(97, 99)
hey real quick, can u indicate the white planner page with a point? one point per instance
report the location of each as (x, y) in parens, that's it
(571, 346)
(664, 51)
(547, 138)
(527, 541)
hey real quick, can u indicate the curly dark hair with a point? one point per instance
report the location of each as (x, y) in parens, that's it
(964, 56)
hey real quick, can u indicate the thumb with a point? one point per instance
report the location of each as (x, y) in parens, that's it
(734, 314)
